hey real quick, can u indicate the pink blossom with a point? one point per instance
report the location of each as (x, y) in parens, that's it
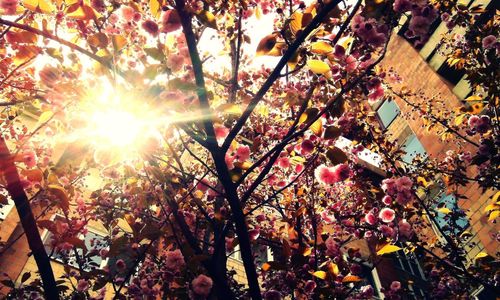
(489, 42)
(332, 247)
(120, 264)
(386, 214)
(402, 5)
(9, 6)
(29, 159)
(151, 27)
(221, 133)
(405, 229)
(330, 175)
(369, 31)
(174, 260)
(351, 63)
(370, 218)
(170, 21)
(325, 175)
(127, 13)
(367, 291)
(284, 162)
(254, 234)
(49, 76)
(203, 185)
(202, 285)
(98, 5)
(387, 231)
(306, 147)
(229, 161)
(395, 285)
(243, 153)
(175, 62)
(310, 286)
(376, 94)
(82, 286)
(387, 200)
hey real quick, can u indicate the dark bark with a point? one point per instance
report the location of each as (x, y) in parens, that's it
(16, 191)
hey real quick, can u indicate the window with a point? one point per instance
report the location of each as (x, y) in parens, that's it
(93, 242)
(236, 253)
(5, 208)
(451, 74)
(455, 223)
(413, 148)
(387, 112)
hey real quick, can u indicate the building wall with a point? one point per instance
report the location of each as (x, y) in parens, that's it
(419, 76)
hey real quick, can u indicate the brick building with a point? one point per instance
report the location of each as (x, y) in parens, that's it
(423, 70)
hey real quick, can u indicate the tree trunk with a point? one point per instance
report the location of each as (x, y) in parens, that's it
(16, 191)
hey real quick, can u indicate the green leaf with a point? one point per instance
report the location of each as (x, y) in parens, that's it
(155, 53)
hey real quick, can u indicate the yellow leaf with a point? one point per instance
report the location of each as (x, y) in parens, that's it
(45, 7)
(444, 210)
(230, 108)
(307, 251)
(388, 248)
(459, 119)
(296, 22)
(31, 4)
(474, 98)
(98, 40)
(494, 215)
(119, 42)
(60, 193)
(80, 12)
(258, 12)
(318, 66)
(481, 255)
(45, 116)
(321, 47)
(491, 207)
(155, 8)
(207, 18)
(421, 180)
(333, 268)
(346, 41)
(351, 278)
(317, 127)
(320, 274)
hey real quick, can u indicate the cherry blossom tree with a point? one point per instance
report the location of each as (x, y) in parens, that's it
(207, 141)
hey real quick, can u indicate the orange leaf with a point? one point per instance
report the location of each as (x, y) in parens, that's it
(351, 278)
(266, 44)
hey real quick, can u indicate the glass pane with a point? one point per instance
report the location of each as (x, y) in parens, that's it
(413, 147)
(456, 225)
(6, 208)
(387, 112)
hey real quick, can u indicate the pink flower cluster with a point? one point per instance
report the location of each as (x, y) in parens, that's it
(330, 175)
(479, 124)
(9, 6)
(174, 260)
(400, 189)
(202, 285)
(376, 91)
(369, 31)
(489, 42)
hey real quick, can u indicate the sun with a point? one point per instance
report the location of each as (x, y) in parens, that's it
(117, 128)
(119, 124)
